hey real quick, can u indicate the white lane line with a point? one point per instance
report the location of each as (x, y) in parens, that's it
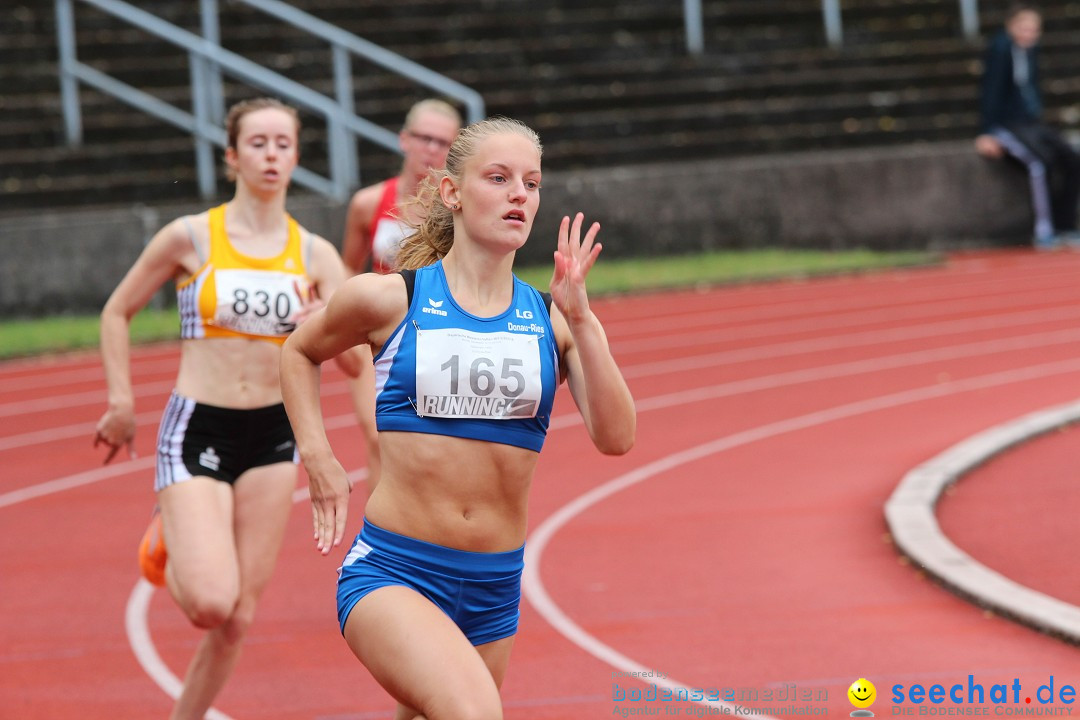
(836, 313)
(532, 582)
(882, 362)
(301, 494)
(73, 481)
(66, 432)
(95, 373)
(97, 397)
(838, 370)
(855, 338)
(694, 362)
(686, 339)
(91, 397)
(736, 387)
(80, 360)
(757, 302)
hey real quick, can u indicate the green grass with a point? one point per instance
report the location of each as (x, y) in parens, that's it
(718, 268)
(76, 332)
(58, 334)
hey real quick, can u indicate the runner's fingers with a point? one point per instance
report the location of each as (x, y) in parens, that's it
(339, 520)
(320, 526)
(590, 260)
(303, 291)
(575, 233)
(590, 236)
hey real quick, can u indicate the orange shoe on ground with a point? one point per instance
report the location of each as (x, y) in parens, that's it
(152, 553)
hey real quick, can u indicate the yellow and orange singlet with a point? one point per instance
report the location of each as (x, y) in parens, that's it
(236, 295)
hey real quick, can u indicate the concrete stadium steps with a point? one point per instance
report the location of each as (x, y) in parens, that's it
(604, 81)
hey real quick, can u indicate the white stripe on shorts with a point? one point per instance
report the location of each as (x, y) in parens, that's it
(174, 423)
(359, 551)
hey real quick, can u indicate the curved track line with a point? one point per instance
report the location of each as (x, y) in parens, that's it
(909, 513)
(139, 636)
(142, 643)
(137, 624)
(532, 583)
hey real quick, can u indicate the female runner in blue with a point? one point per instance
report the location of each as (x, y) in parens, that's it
(467, 360)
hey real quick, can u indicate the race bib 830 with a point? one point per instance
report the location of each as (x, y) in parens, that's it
(257, 302)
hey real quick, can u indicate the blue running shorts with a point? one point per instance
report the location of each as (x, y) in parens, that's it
(480, 592)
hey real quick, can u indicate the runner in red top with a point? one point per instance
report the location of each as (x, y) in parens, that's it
(380, 217)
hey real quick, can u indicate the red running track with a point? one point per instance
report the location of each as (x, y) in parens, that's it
(740, 545)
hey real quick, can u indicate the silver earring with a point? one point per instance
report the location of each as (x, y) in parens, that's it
(455, 206)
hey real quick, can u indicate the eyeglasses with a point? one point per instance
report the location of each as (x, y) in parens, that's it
(429, 140)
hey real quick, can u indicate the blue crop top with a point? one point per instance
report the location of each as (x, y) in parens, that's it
(447, 372)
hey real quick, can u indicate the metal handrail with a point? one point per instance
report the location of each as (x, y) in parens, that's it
(344, 45)
(834, 29)
(830, 17)
(342, 40)
(207, 60)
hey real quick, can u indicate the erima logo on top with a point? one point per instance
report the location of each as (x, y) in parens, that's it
(434, 309)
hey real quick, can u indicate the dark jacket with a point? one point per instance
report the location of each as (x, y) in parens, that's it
(1002, 103)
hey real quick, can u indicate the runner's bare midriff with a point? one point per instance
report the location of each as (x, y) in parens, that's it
(465, 494)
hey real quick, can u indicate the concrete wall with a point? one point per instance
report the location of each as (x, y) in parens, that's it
(936, 196)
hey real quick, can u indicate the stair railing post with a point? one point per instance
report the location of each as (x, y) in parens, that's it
(336, 140)
(211, 30)
(69, 85)
(969, 18)
(200, 106)
(695, 35)
(343, 90)
(834, 26)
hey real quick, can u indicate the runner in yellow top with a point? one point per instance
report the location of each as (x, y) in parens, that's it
(246, 275)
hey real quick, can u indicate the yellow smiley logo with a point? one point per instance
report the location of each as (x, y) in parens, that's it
(862, 693)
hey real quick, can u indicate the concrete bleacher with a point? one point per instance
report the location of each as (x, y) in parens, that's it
(770, 138)
(605, 82)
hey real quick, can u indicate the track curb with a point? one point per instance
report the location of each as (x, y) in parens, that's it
(909, 513)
